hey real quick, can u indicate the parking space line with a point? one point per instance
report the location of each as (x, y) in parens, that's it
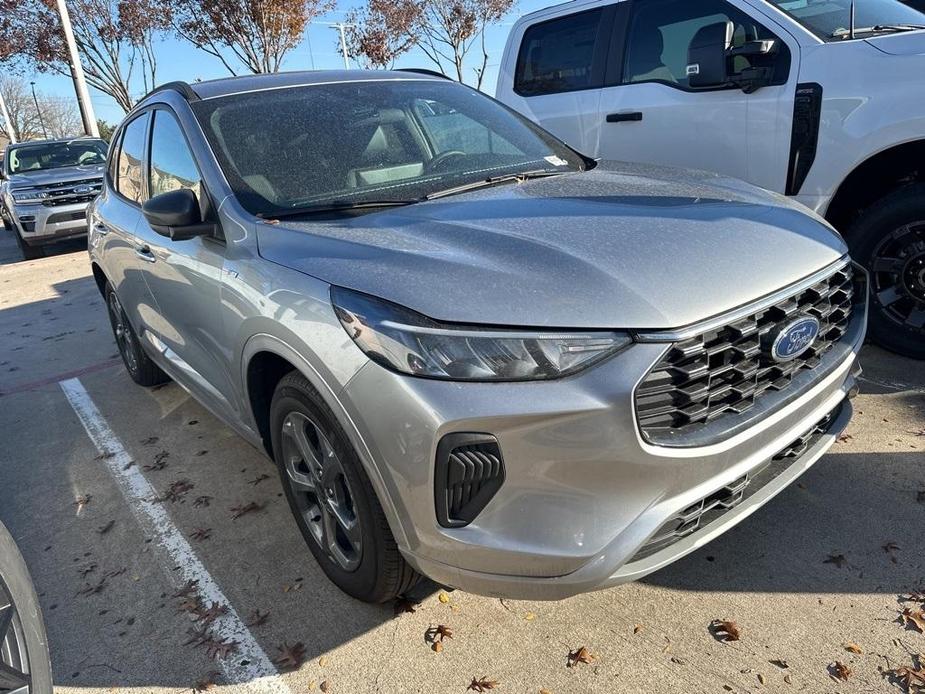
(57, 378)
(250, 666)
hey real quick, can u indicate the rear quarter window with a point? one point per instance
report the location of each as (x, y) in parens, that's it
(558, 55)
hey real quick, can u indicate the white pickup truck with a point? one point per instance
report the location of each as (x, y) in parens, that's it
(820, 100)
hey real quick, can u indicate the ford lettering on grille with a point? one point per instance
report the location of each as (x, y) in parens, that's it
(794, 338)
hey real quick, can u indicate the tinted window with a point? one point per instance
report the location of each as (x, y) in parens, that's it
(831, 19)
(55, 155)
(131, 154)
(661, 32)
(172, 165)
(558, 55)
(300, 148)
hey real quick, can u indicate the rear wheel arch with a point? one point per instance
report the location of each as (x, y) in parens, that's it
(99, 277)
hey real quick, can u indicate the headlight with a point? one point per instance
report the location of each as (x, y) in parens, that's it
(405, 341)
(29, 196)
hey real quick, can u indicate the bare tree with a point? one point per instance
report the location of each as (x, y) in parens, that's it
(256, 33)
(60, 116)
(446, 31)
(115, 39)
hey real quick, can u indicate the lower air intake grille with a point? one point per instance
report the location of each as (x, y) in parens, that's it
(469, 471)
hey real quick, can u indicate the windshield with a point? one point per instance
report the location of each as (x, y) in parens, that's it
(55, 155)
(328, 145)
(831, 19)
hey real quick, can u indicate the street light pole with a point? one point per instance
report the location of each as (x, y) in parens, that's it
(340, 26)
(77, 70)
(39, 111)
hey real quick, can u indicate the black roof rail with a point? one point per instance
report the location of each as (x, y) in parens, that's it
(179, 86)
(424, 71)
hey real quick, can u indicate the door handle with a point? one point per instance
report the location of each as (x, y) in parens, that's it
(626, 116)
(145, 253)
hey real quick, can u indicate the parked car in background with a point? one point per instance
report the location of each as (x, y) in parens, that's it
(472, 352)
(786, 94)
(46, 186)
(25, 667)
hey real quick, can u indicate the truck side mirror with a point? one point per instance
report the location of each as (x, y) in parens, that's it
(707, 56)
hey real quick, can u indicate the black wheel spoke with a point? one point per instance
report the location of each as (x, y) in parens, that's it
(916, 319)
(6, 620)
(891, 265)
(13, 680)
(888, 296)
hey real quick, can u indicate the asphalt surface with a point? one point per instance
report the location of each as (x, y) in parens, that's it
(801, 578)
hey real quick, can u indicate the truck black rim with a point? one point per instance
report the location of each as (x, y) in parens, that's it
(898, 275)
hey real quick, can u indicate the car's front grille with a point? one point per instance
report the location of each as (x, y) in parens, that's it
(711, 508)
(726, 370)
(69, 193)
(59, 217)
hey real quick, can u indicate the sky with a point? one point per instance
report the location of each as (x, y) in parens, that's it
(319, 50)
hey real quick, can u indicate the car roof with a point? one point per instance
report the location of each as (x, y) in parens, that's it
(211, 89)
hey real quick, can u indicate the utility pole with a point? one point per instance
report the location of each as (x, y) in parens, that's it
(340, 26)
(7, 124)
(80, 83)
(38, 110)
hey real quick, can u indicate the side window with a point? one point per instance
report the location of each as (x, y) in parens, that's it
(661, 32)
(558, 55)
(129, 180)
(448, 129)
(172, 164)
(113, 168)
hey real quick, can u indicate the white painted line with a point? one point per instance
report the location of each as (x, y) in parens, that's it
(259, 674)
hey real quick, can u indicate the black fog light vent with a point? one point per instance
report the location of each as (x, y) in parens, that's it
(469, 472)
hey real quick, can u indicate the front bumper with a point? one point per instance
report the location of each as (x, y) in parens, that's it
(583, 492)
(39, 224)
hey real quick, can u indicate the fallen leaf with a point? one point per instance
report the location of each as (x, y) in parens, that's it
(482, 684)
(201, 534)
(724, 630)
(838, 559)
(207, 615)
(779, 662)
(322, 661)
(220, 650)
(177, 491)
(324, 686)
(914, 618)
(914, 596)
(637, 628)
(839, 671)
(202, 500)
(190, 588)
(443, 597)
(529, 616)
(579, 655)
(103, 529)
(438, 633)
(150, 441)
(160, 462)
(82, 501)
(437, 647)
(291, 657)
(845, 437)
(852, 647)
(912, 679)
(403, 604)
(760, 678)
(787, 679)
(258, 479)
(257, 618)
(250, 507)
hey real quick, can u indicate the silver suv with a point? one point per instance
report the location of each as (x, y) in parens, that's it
(46, 186)
(472, 352)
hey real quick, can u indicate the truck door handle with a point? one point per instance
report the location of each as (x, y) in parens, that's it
(624, 117)
(144, 252)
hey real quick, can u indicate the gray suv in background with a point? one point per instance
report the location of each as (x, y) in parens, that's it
(46, 186)
(472, 352)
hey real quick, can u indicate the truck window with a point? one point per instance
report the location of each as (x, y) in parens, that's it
(830, 19)
(661, 32)
(558, 55)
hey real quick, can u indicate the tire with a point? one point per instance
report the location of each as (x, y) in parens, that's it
(23, 642)
(375, 571)
(28, 252)
(889, 240)
(138, 364)
(7, 225)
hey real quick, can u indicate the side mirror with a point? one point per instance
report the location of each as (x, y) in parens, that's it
(176, 215)
(707, 56)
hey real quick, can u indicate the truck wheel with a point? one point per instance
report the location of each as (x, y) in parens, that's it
(28, 252)
(331, 497)
(889, 240)
(138, 364)
(24, 662)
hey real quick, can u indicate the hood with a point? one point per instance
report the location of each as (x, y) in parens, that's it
(906, 43)
(66, 174)
(637, 247)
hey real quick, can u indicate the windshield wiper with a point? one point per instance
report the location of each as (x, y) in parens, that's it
(519, 177)
(336, 206)
(877, 28)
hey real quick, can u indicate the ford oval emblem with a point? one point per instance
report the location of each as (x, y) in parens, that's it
(794, 338)
(83, 189)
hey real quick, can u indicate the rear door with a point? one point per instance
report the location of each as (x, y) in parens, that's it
(558, 71)
(649, 113)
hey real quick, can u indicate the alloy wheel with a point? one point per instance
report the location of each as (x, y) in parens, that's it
(123, 332)
(14, 656)
(898, 275)
(322, 492)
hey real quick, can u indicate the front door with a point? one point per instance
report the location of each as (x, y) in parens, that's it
(651, 114)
